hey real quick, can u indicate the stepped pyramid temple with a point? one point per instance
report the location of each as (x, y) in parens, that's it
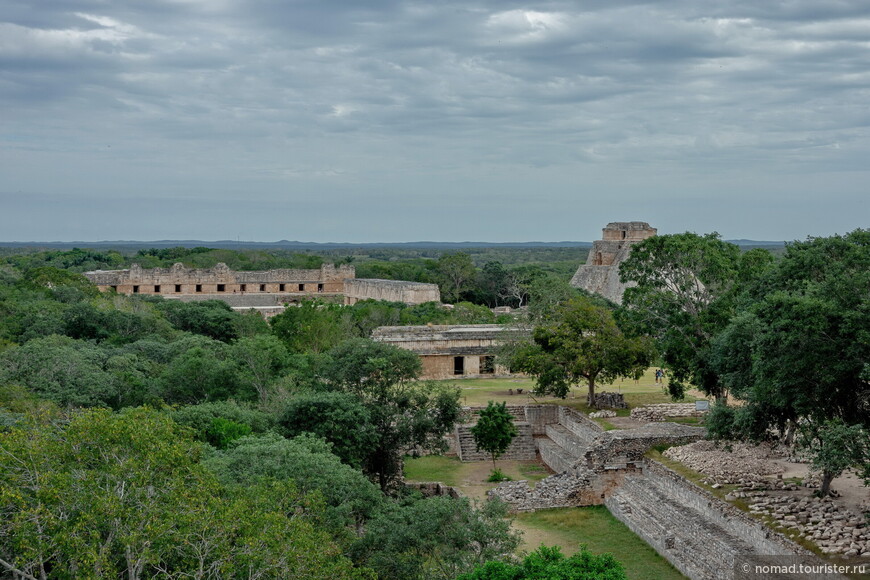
(600, 273)
(266, 291)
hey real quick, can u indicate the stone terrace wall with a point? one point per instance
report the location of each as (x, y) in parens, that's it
(663, 411)
(698, 533)
(560, 491)
(390, 290)
(522, 448)
(580, 425)
(539, 416)
(623, 447)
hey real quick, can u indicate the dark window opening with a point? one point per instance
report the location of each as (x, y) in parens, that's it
(599, 259)
(157, 288)
(178, 287)
(115, 288)
(199, 287)
(320, 287)
(243, 287)
(459, 365)
(302, 287)
(281, 287)
(623, 235)
(487, 365)
(221, 288)
(135, 289)
(262, 287)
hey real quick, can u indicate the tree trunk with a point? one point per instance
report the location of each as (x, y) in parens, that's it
(827, 478)
(590, 399)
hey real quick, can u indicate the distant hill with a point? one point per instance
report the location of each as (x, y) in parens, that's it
(289, 245)
(301, 246)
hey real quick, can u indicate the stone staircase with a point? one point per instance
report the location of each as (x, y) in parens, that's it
(521, 448)
(697, 546)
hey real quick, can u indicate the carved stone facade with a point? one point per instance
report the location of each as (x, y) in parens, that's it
(267, 291)
(600, 274)
(220, 280)
(451, 351)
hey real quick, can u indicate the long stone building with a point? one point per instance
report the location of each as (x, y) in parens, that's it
(267, 291)
(452, 351)
(600, 273)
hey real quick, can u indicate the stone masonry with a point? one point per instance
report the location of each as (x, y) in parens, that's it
(600, 274)
(703, 536)
(665, 411)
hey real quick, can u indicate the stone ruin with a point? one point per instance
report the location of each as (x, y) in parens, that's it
(701, 535)
(600, 274)
(607, 400)
(665, 411)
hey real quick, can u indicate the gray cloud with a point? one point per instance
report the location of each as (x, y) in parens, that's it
(487, 120)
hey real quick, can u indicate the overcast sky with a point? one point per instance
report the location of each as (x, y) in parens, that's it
(437, 120)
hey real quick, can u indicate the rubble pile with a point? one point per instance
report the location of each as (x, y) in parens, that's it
(833, 528)
(744, 464)
(604, 414)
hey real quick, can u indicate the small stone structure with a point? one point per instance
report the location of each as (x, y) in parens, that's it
(600, 274)
(607, 400)
(665, 411)
(389, 290)
(452, 351)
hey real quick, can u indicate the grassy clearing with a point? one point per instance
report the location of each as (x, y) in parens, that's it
(568, 528)
(470, 477)
(645, 391)
(600, 532)
(447, 470)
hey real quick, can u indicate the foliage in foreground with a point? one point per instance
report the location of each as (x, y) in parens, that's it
(435, 538)
(550, 564)
(112, 495)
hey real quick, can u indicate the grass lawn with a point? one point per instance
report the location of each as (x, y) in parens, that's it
(567, 528)
(470, 476)
(477, 392)
(601, 532)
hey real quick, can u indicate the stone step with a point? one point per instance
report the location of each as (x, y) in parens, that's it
(681, 534)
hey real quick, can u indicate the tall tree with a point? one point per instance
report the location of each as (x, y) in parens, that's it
(108, 495)
(455, 274)
(312, 326)
(494, 430)
(798, 354)
(404, 414)
(581, 343)
(685, 291)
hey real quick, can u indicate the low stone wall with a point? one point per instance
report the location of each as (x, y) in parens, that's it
(664, 411)
(522, 448)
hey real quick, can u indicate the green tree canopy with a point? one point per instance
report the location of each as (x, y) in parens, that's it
(494, 430)
(797, 355)
(550, 564)
(124, 495)
(686, 292)
(404, 414)
(435, 539)
(581, 343)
